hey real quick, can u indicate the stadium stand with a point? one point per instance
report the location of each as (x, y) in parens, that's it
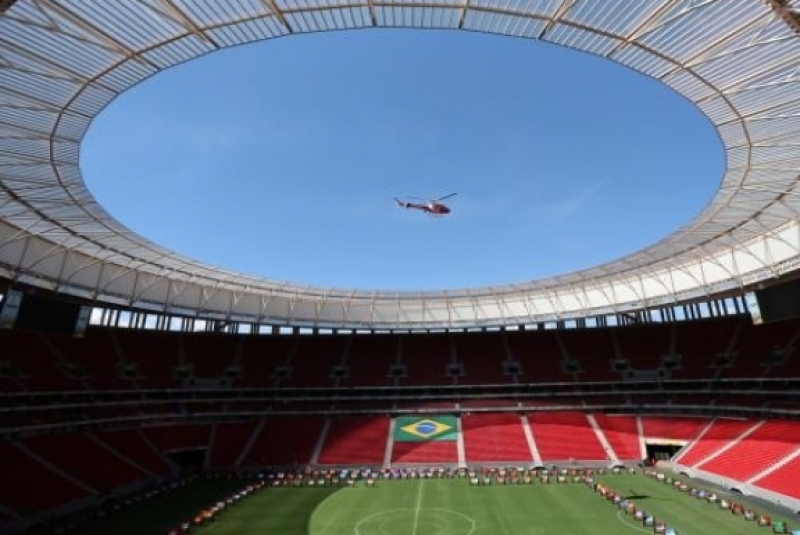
(539, 357)
(284, 441)
(426, 360)
(683, 428)
(622, 433)
(768, 444)
(90, 462)
(370, 359)
(721, 433)
(355, 440)
(783, 480)
(30, 486)
(494, 438)
(482, 356)
(261, 357)
(589, 354)
(180, 437)
(208, 356)
(562, 436)
(229, 438)
(424, 452)
(314, 360)
(131, 444)
(154, 359)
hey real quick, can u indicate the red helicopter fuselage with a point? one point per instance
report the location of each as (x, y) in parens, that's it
(432, 208)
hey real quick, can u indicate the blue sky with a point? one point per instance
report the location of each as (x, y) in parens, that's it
(282, 158)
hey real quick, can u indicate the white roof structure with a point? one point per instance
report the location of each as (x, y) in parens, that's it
(62, 61)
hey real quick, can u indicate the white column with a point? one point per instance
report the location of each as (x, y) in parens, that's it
(387, 453)
(526, 428)
(462, 452)
(323, 436)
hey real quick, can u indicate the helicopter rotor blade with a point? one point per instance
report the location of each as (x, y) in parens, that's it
(447, 196)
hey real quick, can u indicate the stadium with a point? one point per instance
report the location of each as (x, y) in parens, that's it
(147, 392)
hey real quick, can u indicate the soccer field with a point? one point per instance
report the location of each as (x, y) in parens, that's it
(434, 507)
(453, 507)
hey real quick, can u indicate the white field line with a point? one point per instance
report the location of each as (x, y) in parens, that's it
(417, 508)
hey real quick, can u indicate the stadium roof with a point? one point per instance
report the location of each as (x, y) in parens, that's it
(62, 61)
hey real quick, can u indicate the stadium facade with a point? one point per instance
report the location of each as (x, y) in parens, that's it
(373, 390)
(62, 63)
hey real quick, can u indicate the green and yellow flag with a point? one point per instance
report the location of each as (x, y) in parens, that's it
(425, 428)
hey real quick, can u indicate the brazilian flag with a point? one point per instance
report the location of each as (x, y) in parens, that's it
(425, 428)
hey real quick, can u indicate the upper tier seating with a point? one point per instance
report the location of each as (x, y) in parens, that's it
(699, 342)
(35, 365)
(426, 360)
(643, 346)
(539, 357)
(482, 356)
(314, 359)
(209, 355)
(370, 359)
(156, 356)
(95, 358)
(592, 350)
(261, 356)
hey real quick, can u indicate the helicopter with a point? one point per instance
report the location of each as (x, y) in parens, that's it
(433, 207)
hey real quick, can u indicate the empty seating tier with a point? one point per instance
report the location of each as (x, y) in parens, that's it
(721, 432)
(622, 433)
(356, 440)
(179, 437)
(29, 486)
(765, 446)
(230, 439)
(495, 437)
(673, 427)
(425, 452)
(783, 480)
(285, 441)
(565, 436)
(129, 442)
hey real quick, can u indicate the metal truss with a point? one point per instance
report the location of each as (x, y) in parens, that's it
(62, 61)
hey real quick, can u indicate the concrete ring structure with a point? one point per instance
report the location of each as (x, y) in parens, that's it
(62, 62)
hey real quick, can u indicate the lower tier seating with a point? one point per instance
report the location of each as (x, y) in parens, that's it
(495, 437)
(355, 440)
(565, 436)
(425, 452)
(784, 480)
(768, 444)
(622, 433)
(721, 432)
(229, 440)
(29, 486)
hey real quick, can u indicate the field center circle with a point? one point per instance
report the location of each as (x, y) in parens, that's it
(437, 521)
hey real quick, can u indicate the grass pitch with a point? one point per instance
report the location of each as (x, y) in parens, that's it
(453, 507)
